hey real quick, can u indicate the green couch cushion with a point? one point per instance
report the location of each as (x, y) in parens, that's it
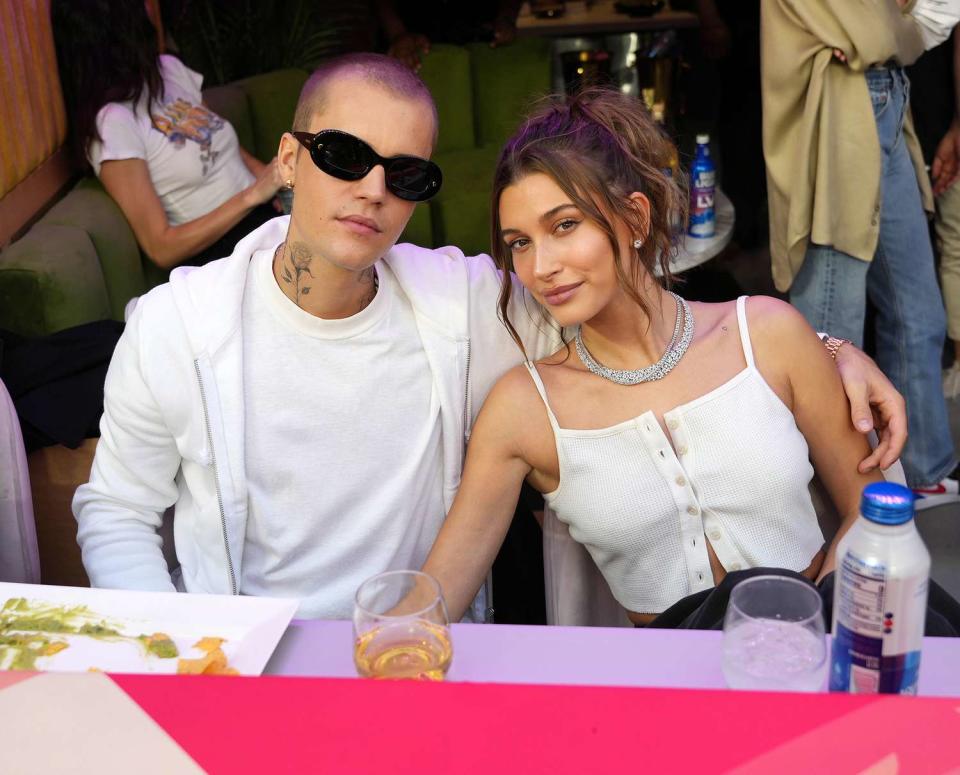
(231, 102)
(272, 98)
(446, 71)
(419, 230)
(506, 81)
(461, 211)
(90, 208)
(153, 274)
(51, 280)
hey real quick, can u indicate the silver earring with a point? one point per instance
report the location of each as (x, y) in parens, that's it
(638, 243)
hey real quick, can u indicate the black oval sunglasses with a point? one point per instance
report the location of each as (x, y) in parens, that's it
(349, 158)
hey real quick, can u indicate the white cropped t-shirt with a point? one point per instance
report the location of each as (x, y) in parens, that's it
(192, 154)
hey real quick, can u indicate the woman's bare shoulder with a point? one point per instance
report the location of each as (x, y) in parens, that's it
(515, 389)
(776, 323)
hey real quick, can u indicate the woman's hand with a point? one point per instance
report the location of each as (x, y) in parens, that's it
(875, 404)
(265, 187)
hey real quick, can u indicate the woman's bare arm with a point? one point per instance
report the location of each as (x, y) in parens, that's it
(128, 182)
(787, 348)
(478, 521)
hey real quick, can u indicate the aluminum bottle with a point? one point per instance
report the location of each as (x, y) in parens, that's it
(880, 597)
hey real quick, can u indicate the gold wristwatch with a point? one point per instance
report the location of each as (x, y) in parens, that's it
(833, 344)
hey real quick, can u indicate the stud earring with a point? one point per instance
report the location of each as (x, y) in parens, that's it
(638, 243)
(289, 184)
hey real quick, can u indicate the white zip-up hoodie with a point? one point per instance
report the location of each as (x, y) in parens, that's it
(172, 428)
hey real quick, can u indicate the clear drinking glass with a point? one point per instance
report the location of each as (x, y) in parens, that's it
(773, 636)
(401, 628)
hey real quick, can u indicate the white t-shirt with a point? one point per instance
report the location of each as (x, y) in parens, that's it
(192, 153)
(342, 445)
(936, 19)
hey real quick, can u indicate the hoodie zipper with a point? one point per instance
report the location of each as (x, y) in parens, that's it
(467, 422)
(216, 477)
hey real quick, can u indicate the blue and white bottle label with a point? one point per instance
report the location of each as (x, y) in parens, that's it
(702, 212)
(879, 629)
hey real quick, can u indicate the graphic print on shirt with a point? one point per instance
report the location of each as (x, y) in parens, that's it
(181, 121)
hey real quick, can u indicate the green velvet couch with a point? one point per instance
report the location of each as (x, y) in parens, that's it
(80, 262)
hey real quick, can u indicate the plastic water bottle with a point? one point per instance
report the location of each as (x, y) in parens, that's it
(880, 597)
(703, 175)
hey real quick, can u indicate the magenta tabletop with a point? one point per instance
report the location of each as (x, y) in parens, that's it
(598, 656)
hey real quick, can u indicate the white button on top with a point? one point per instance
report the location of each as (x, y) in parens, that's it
(681, 450)
(681, 482)
(693, 510)
(735, 566)
(673, 425)
(714, 535)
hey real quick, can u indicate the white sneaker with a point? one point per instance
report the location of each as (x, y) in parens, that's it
(947, 491)
(951, 381)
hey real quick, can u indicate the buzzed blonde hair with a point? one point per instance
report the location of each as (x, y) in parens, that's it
(377, 69)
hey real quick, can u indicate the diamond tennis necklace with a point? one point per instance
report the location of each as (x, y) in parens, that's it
(671, 357)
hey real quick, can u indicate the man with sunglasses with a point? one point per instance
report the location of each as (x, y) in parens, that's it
(305, 403)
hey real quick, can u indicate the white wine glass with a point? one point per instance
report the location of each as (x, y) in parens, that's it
(401, 628)
(773, 636)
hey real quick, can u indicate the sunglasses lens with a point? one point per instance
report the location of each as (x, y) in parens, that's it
(349, 158)
(413, 179)
(344, 157)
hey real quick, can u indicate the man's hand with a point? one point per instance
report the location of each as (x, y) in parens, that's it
(504, 32)
(715, 38)
(874, 405)
(409, 48)
(946, 160)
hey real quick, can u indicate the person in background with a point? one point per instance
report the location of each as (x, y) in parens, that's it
(936, 107)
(410, 27)
(137, 118)
(847, 191)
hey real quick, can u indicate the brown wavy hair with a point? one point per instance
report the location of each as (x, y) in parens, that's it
(599, 146)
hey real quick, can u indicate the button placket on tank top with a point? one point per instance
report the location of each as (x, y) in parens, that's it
(727, 553)
(689, 513)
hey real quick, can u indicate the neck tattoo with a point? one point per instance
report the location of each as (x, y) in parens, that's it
(291, 267)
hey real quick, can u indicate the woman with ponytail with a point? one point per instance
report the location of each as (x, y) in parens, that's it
(673, 438)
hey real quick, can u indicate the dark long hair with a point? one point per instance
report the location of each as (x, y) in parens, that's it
(599, 146)
(106, 52)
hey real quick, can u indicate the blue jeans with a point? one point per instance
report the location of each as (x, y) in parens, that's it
(831, 291)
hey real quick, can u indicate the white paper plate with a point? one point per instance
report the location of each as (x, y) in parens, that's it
(250, 627)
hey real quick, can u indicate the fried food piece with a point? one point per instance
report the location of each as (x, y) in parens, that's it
(214, 662)
(208, 644)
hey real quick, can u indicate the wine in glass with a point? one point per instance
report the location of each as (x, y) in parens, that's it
(400, 627)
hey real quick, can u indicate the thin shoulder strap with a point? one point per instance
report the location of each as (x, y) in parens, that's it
(535, 375)
(744, 331)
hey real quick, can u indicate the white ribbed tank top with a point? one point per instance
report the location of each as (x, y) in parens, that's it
(739, 478)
